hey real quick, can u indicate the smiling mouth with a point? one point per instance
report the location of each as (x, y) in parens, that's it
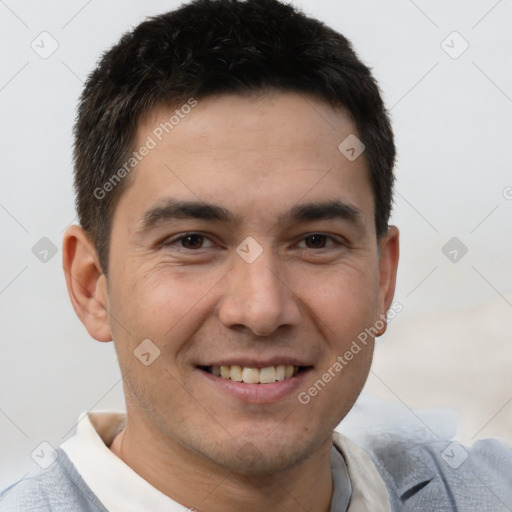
(248, 375)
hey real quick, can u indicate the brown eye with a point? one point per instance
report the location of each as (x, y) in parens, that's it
(316, 241)
(188, 242)
(192, 241)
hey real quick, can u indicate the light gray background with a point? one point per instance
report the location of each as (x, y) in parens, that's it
(452, 119)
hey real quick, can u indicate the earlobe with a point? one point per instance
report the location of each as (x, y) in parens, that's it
(86, 283)
(388, 264)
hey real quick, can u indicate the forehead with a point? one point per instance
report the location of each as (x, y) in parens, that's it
(275, 121)
(277, 148)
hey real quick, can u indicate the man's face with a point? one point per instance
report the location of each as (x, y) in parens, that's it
(297, 293)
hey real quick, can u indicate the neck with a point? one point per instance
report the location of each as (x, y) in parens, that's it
(206, 486)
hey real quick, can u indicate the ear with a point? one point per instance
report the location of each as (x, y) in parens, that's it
(389, 250)
(86, 283)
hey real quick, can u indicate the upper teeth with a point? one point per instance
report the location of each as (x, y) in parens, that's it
(255, 375)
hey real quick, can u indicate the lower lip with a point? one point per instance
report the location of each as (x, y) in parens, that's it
(258, 393)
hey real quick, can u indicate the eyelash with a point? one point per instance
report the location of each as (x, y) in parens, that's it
(179, 238)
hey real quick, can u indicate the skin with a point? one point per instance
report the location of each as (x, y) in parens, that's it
(257, 157)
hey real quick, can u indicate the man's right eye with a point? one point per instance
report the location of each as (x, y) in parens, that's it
(189, 241)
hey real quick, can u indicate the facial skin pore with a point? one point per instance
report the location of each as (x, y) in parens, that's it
(256, 161)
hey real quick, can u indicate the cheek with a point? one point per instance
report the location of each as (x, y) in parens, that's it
(163, 304)
(344, 301)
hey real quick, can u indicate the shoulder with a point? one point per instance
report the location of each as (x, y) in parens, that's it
(445, 472)
(56, 489)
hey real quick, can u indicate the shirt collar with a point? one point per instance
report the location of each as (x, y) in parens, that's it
(115, 484)
(369, 492)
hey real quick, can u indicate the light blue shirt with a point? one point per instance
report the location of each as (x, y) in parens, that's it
(440, 476)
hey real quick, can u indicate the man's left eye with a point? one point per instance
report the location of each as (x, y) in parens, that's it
(318, 241)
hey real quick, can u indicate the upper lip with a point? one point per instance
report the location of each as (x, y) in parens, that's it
(257, 362)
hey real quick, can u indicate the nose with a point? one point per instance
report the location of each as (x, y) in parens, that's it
(258, 298)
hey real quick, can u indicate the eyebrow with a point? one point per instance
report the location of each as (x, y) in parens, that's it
(334, 209)
(170, 209)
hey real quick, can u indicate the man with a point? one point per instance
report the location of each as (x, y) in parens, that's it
(234, 175)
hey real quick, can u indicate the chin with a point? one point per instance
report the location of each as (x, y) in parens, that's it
(263, 455)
